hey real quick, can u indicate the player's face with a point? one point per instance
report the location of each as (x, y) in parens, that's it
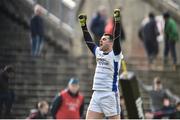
(105, 44)
(74, 88)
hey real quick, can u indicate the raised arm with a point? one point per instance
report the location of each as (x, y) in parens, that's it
(116, 45)
(172, 96)
(146, 88)
(87, 37)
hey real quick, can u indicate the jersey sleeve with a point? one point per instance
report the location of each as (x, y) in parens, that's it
(119, 57)
(96, 51)
(116, 44)
(88, 39)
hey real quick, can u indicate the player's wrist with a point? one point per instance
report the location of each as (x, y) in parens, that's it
(82, 19)
(117, 16)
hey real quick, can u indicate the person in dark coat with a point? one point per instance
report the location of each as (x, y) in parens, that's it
(149, 36)
(37, 31)
(6, 95)
(167, 111)
(176, 114)
(157, 94)
(98, 24)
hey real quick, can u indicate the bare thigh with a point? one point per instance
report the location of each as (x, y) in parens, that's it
(94, 115)
(114, 117)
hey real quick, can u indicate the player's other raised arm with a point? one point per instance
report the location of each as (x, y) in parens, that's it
(87, 37)
(116, 45)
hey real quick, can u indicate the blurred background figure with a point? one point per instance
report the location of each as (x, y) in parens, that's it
(149, 36)
(69, 103)
(157, 94)
(177, 113)
(37, 31)
(171, 37)
(6, 95)
(40, 112)
(167, 111)
(109, 28)
(98, 24)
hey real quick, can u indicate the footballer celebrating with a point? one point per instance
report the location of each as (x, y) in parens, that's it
(105, 99)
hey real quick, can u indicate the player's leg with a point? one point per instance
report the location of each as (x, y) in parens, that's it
(94, 115)
(114, 117)
(110, 104)
(94, 111)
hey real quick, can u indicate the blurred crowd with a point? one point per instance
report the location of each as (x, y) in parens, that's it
(70, 102)
(155, 29)
(163, 103)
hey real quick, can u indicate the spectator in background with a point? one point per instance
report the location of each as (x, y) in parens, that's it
(98, 23)
(68, 104)
(40, 112)
(149, 37)
(157, 94)
(6, 95)
(177, 113)
(171, 37)
(37, 31)
(167, 111)
(110, 27)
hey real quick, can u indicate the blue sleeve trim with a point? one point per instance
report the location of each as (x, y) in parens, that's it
(114, 87)
(94, 50)
(116, 53)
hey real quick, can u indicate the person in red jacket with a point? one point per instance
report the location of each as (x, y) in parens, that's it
(69, 103)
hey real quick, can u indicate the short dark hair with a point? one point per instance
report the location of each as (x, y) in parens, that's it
(9, 68)
(158, 82)
(110, 36)
(166, 14)
(151, 15)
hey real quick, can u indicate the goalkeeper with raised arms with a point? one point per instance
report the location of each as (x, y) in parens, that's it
(105, 101)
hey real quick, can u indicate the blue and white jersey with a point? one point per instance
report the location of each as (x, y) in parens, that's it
(107, 70)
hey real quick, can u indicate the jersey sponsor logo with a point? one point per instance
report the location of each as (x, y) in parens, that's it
(102, 61)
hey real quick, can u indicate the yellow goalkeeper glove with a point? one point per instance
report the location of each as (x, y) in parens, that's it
(82, 19)
(117, 16)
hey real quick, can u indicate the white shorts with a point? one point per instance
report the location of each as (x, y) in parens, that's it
(105, 102)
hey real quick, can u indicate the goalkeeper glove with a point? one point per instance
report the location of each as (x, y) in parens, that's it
(82, 19)
(117, 15)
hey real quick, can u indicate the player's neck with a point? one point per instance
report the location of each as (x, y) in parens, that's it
(107, 51)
